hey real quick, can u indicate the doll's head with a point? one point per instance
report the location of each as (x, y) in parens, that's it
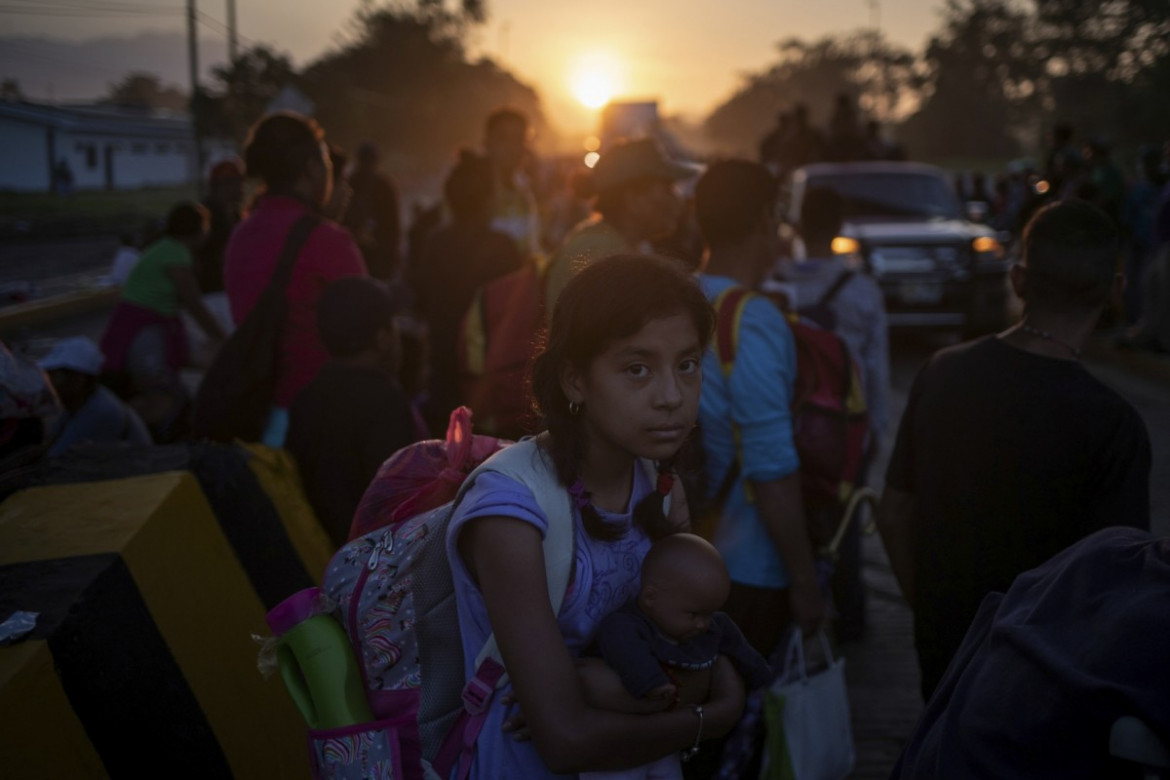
(684, 581)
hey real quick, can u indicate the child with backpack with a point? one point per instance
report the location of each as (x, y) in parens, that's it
(618, 387)
(848, 302)
(353, 414)
(843, 299)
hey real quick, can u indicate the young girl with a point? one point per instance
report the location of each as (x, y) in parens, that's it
(618, 380)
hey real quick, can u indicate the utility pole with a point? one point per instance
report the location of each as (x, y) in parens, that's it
(875, 15)
(195, 104)
(233, 49)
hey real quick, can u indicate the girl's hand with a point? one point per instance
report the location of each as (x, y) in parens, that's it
(603, 690)
(665, 691)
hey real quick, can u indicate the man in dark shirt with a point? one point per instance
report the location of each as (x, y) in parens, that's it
(353, 414)
(1009, 450)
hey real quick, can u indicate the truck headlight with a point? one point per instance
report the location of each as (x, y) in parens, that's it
(987, 248)
(843, 245)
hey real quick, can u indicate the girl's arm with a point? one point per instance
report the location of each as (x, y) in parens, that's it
(504, 556)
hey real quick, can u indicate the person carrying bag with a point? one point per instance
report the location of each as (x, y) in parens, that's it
(235, 399)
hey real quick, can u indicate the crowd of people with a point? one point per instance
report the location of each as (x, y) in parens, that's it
(1009, 452)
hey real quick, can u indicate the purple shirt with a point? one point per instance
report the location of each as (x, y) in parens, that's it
(605, 576)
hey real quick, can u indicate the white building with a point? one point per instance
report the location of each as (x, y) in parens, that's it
(103, 147)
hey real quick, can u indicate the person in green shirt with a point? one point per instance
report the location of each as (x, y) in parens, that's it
(636, 203)
(145, 342)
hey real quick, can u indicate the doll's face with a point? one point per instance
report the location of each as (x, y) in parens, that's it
(682, 607)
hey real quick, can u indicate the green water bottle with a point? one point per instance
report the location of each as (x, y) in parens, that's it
(317, 663)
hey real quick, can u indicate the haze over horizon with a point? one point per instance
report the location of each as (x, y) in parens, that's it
(688, 54)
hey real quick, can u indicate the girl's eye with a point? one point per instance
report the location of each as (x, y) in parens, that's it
(689, 366)
(638, 370)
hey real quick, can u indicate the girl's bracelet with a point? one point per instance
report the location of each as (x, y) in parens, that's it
(690, 752)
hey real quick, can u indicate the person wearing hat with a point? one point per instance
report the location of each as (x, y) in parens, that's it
(92, 412)
(353, 414)
(636, 203)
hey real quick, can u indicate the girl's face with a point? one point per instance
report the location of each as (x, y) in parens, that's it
(641, 395)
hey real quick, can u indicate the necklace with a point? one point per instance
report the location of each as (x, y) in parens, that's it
(1076, 352)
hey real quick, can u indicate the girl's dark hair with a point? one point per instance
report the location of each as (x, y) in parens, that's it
(608, 300)
(187, 219)
(469, 187)
(280, 147)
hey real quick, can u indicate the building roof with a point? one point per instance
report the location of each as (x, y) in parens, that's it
(98, 119)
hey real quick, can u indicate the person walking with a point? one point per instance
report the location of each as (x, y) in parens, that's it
(1010, 450)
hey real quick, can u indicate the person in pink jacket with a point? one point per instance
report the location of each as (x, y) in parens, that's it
(287, 152)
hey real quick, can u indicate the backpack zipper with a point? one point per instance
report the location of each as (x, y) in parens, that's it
(386, 542)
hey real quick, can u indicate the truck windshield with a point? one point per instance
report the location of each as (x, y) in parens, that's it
(892, 195)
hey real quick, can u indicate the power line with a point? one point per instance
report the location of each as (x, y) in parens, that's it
(72, 12)
(212, 23)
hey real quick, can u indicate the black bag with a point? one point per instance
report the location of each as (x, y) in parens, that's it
(235, 398)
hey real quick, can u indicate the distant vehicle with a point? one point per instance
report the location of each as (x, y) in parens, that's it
(936, 267)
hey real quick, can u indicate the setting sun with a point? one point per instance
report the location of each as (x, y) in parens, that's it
(595, 79)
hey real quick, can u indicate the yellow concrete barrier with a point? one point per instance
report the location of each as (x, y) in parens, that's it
(142, 661)
(58, 307)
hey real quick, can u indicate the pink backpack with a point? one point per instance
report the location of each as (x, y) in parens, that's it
(423, 476)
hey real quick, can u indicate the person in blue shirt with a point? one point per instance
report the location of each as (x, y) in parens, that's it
(92, 412)
(745, 420)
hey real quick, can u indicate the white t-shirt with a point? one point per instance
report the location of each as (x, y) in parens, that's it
(124, 261)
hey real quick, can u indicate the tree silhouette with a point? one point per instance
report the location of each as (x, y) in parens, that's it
(145, 91)
(404, 80)
(865, 65)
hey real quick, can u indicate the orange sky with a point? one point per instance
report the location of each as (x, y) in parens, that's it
(686, 53)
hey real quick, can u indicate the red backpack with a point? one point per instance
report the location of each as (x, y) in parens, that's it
(496, 345)
(829, 417)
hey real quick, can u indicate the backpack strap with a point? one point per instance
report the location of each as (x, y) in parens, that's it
(294, 242)
(528, 463)
(838, 284)
(729, 307)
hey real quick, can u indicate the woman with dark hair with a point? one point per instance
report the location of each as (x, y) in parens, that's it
(288, 154)
(459, 259)
(617, 385)
(145, 343)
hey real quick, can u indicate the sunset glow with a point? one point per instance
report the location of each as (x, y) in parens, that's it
(595, 79)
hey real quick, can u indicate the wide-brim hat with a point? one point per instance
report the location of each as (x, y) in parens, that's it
(629, 161)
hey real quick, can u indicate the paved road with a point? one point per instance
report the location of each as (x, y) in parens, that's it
(882, 670)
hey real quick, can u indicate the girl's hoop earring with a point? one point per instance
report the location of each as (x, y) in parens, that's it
(574, 408)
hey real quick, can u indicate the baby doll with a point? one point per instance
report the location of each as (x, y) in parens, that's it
(673, 626)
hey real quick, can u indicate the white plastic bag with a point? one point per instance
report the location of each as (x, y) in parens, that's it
(809, 734)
